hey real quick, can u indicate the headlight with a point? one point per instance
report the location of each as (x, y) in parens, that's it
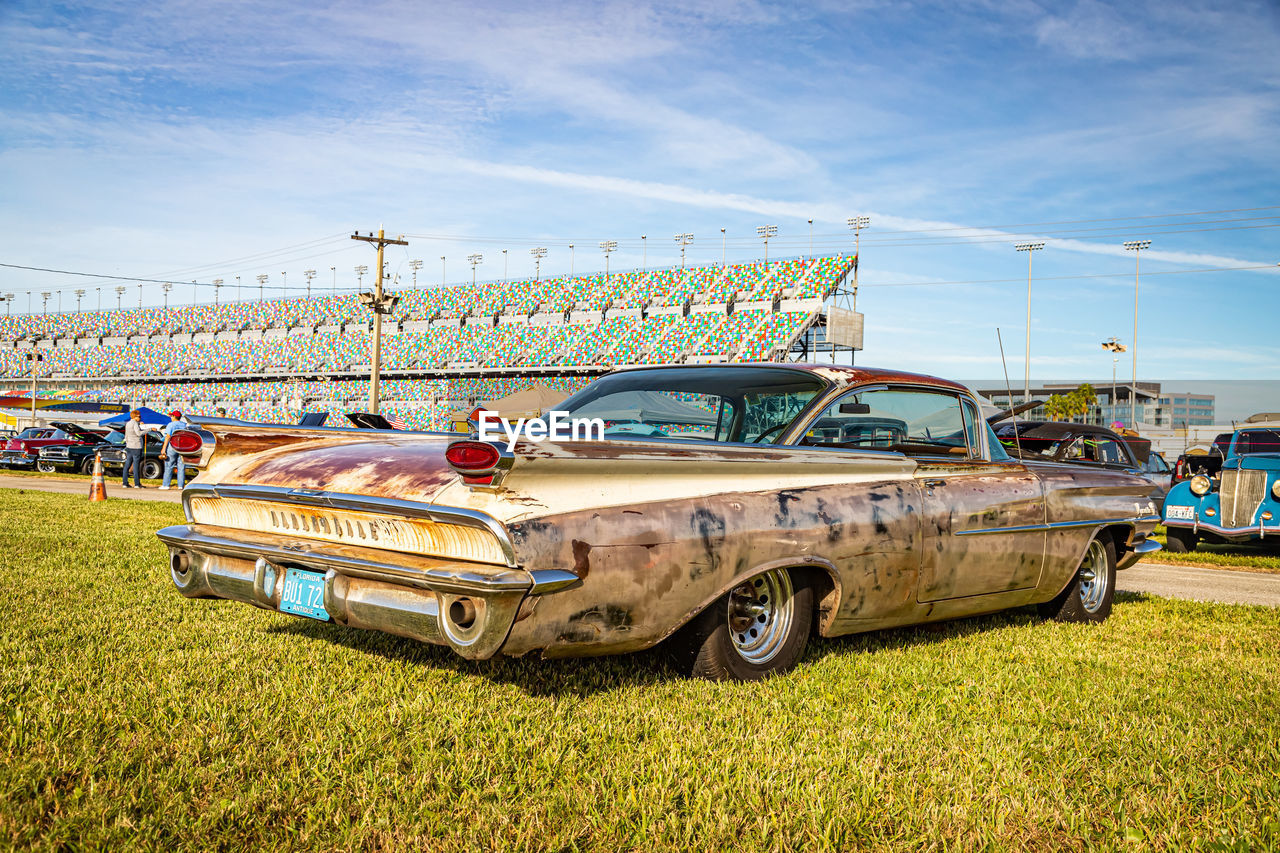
(1275, 489)
(1200, 485)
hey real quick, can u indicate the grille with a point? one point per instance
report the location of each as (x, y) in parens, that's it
(370, 530)
(1242, 492)
(56, 453)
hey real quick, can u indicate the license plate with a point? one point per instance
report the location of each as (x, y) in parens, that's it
(304, 594)
(1184, 512)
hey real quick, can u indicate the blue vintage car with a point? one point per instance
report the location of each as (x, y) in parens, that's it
(1240, 504)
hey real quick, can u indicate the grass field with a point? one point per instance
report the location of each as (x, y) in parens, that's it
(134, 718)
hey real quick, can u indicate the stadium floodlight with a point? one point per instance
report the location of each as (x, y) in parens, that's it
(310, 274)
(237, 288)
(608, 247)
(1030, 249)
(571, 260)
(120, 289)
(856, 224)
(415, 265)
(360, 271)
(683, 240)
(7, 299)
(1135, 246)
(284, 284)
(59, 301)
(538, 253)
(476, 260)
(262, 280)
(80, 292)
(334, 272)
(217, 285)
(44, 301)
(167, 286)
(811, 236)
(644, 252)
(505, 278)
(764, 232)
(724, 242)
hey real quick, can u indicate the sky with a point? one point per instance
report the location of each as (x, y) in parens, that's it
(183, 141)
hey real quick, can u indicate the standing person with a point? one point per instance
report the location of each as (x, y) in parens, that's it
(133, 443)
(172, 458)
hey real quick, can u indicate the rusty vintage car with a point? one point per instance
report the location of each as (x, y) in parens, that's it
(730, 510)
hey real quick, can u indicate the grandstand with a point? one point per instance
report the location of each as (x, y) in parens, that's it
(445, 348)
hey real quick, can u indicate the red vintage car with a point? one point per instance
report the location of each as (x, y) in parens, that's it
(23, 450)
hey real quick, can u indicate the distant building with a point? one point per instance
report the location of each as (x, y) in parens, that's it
(1154, 406)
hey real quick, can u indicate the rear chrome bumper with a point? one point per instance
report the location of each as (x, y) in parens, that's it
(469, 607)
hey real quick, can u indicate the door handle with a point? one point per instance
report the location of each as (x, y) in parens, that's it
(929, 484)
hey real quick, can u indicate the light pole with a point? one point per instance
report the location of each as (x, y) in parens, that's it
(608, 247)
(811, 236)
(538, 254)
(1135, 246)
(237, 288)
(310, 274)
(334, 271)
(119, 295)
(360, 271)
(99, 289)
(193, 290)
(857, 223)
(505, 277)
(284, 284)
(59, 301)
(1115, 347)
(262, 280)
(79, 295)
(723, 244)
(764, 232)
(44, 301)
(644, 250)
(166, 287)
(683, 240)
(35, 357)
(476, 260)
(570, 260)
(379, 303)
(217, 286)
(442, 270)
(1030, 249)
(7, 299)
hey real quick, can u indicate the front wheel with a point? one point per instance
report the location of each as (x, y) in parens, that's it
(1180, 541)
(150, 469)
(45, 467)
(1089, 595)
(758, 629)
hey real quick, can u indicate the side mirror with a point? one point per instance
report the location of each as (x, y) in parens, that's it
(855, 408)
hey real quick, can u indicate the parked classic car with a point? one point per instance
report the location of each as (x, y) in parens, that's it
(23, 451)
(1240, 504)
(75, 458)
(801, 498)
(152, 461)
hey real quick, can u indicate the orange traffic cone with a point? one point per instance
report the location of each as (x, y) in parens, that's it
(97, 487)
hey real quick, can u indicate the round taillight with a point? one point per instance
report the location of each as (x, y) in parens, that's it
(472, 456)
(185, 441)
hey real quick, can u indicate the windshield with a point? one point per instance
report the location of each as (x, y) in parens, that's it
(731, 404)
(1257, 441)
(116, 438)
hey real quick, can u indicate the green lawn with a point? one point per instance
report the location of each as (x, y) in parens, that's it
(130, 717)
(1252, 557)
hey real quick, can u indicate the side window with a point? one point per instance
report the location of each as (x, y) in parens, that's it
(914, 422)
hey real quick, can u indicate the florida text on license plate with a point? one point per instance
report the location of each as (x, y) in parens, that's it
(303, 594)
(1184, 512)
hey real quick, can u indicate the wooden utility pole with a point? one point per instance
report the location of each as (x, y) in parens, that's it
(380, 305)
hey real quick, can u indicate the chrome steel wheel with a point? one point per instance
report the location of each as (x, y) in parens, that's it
(761, 612)
(1094, 577)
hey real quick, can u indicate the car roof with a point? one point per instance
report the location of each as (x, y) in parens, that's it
(840, 374)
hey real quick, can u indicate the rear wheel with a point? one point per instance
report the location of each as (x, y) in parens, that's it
(1180, 541)
(45, 467)
(1089, 595)
(150, 469)
(758, 629)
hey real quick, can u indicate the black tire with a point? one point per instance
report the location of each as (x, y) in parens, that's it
(46, 467)
(1178, 541)
(86, 466)
(150, 469)
(1089, 596)
(756, 630)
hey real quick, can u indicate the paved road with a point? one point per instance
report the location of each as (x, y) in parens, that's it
(1195, 584)
(81, 487)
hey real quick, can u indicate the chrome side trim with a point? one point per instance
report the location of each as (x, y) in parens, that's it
(1061, 525)
(366, 503)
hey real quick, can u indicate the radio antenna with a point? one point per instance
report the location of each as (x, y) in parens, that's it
(1017, 438)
